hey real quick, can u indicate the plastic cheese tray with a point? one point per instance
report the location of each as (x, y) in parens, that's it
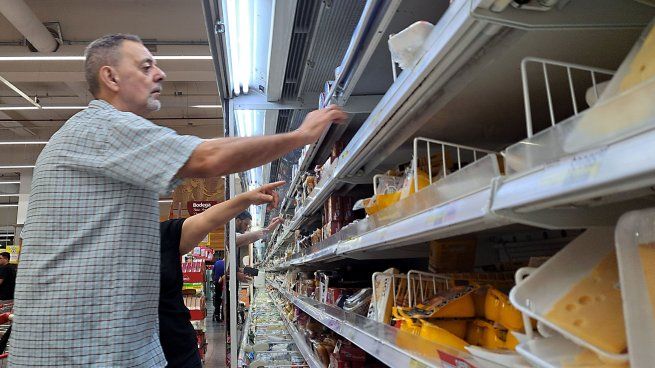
(537, 294)
(636, 231)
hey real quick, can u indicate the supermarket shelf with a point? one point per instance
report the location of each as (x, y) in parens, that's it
(324, 254)
(377, 339)
(306, 351)
(591, 188)
(461, 216)
(244, 340)
(362, 145)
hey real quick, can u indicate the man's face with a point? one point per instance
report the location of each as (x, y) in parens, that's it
(3, 261)
(243, 225)
(139, 79)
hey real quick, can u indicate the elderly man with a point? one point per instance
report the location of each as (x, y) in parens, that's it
(88, 283)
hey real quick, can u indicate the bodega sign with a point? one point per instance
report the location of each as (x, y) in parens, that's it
(196, 207)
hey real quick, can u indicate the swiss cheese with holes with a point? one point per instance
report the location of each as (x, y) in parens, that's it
(593, 310)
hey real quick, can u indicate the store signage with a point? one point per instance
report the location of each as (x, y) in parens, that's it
(196, 207)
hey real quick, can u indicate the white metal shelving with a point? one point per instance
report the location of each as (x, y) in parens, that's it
(306, 351)
(377, 339)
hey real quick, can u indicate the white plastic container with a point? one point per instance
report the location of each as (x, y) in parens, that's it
(633, 230)
(537, 294)
(406, 45)
(550, 352)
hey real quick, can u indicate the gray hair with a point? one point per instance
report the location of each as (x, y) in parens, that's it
(101, 52)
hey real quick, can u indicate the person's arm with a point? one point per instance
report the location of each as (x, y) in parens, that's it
(196, 228)
(253, 236)
(222, 156)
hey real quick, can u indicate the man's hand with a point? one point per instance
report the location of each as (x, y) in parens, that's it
(274, 223)
(265, 194)
(317, 121)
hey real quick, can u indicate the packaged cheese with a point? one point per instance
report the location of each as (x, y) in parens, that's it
(647, 257)
(642, 66)
(588, 359)
(593, 310)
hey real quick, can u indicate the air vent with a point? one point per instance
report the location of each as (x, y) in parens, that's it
(303, 22)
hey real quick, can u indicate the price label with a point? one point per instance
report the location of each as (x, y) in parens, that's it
(580, 169)
(413, 363)
(445, 214)
(333, 324)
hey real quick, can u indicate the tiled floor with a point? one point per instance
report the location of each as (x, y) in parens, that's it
(215, 357)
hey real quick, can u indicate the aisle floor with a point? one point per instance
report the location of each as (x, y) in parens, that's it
(215, 357)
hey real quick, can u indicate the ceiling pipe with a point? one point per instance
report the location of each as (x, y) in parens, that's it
(23, 19)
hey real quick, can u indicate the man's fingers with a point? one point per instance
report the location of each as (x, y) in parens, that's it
(271, 186)
(337, 116)
(266, 198)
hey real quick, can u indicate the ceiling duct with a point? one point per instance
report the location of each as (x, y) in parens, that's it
(23, 19)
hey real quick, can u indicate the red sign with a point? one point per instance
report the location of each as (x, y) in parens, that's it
(196, 207)
(449, 361)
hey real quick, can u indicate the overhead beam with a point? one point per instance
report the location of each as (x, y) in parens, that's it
(255, 101)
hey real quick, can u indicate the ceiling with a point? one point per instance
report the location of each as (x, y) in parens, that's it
(168, 27)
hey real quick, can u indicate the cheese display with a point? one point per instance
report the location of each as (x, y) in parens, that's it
(647, 257)
(588, 359)
(642, 66)
(592, 309)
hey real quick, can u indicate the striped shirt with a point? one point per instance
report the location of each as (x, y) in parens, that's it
(87, 287)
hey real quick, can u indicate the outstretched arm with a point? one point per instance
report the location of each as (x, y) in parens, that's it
(196, 228)
(221, 156)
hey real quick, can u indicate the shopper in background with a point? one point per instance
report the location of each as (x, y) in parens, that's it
(244, 237)
(7, 277)
(94, 195)
(217, 277)
(178, 237)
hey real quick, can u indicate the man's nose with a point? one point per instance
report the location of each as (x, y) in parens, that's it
(160, 75)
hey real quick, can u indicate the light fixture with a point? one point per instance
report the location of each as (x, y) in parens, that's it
(63, 107)
(17, 167)
(9, 205)
(240, 44)
(165, 201)
(9, 195)
(81, 58)
(11, 108)
(21, 143)
(207, 106)
(9, 182)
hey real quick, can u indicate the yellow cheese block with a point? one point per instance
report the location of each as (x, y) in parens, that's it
(642, 66)
(647, 256)
(592, 310)
(588, 359)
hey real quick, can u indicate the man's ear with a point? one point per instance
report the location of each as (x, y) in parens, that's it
(109, 78)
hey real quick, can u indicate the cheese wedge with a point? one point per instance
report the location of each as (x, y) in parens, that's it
(592, 310)
(588, 359)
(647, 256)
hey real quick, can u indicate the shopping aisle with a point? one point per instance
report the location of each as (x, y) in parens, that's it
(215, 356)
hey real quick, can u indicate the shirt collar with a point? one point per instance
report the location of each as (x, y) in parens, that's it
(101, 104)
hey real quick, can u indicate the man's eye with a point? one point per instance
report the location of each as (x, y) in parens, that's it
(146, 68)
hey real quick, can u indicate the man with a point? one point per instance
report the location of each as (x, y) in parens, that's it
(217, 278)
(7, 277)
(243, 223)
(94, 196)
(180, 236)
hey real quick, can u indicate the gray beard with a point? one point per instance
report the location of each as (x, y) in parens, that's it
(153, 105)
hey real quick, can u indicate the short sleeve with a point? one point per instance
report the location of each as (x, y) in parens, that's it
(145, 154)
(171, 232)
